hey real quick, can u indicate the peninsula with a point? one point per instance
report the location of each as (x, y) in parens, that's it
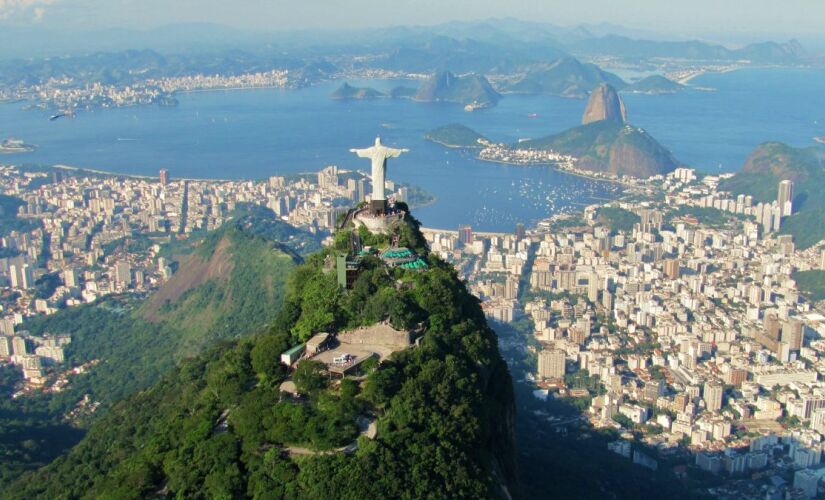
(604, 147)
(605, 143)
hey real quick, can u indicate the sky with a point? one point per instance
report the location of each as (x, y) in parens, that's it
(682, 18)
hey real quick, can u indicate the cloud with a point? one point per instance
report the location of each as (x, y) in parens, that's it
(12, 8)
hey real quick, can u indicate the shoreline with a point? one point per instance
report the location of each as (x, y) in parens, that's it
(5, 151)
(557, 169)
(706, 71)
(219, 89)
(106, 173)
(450, 146)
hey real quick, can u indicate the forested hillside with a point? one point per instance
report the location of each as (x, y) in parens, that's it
(220, 427)
(126, 345)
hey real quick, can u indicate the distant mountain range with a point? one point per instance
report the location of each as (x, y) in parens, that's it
(624, 47)
(124, 68)
(544, 40)
(502, 46)
(567, 77)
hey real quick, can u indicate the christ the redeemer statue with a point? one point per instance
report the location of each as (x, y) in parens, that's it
(379, 154)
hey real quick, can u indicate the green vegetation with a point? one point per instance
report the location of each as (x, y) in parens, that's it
(30, 436)
(217, 426)
(654, 84)
(566, 77)
(468, 89)
(623, 420)
(9, 221)
(617, 219)
(455, 136)
(773, 162)
(808, 225)
(133, 344)
(811, 283)
(348, 92)
(610, 147)
(712, 217)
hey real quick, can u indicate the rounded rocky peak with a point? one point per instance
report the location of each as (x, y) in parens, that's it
(604, 104)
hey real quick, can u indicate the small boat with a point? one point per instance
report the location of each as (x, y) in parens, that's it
(68, 113)
(533, 115)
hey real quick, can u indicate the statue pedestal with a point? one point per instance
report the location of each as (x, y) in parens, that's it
(378, 207)
(379, 223)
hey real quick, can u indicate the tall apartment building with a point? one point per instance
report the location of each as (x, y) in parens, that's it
(551, 363)
(712, 394)
(785, 197)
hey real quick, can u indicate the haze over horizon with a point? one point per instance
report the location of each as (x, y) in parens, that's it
(731, 23)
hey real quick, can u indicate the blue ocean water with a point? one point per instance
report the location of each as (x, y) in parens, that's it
(258, 133)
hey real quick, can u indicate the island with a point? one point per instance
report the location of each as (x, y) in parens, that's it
(654, 85)
(347, 92)
(473, 91)
(11, 146)
(456, 135)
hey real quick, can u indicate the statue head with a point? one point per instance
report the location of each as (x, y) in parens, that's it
(378, 140)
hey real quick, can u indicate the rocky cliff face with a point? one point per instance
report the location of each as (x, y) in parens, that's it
(604, 104)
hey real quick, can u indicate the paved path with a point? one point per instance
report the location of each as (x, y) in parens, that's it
(366, 426)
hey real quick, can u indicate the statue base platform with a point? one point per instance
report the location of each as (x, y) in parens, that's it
(379, 223)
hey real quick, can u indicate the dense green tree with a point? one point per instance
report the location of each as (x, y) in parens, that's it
(217, 427)
(310, 376)
(266, 358)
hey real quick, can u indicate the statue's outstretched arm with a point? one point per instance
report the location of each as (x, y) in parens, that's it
(362, 153)
(395, 153)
